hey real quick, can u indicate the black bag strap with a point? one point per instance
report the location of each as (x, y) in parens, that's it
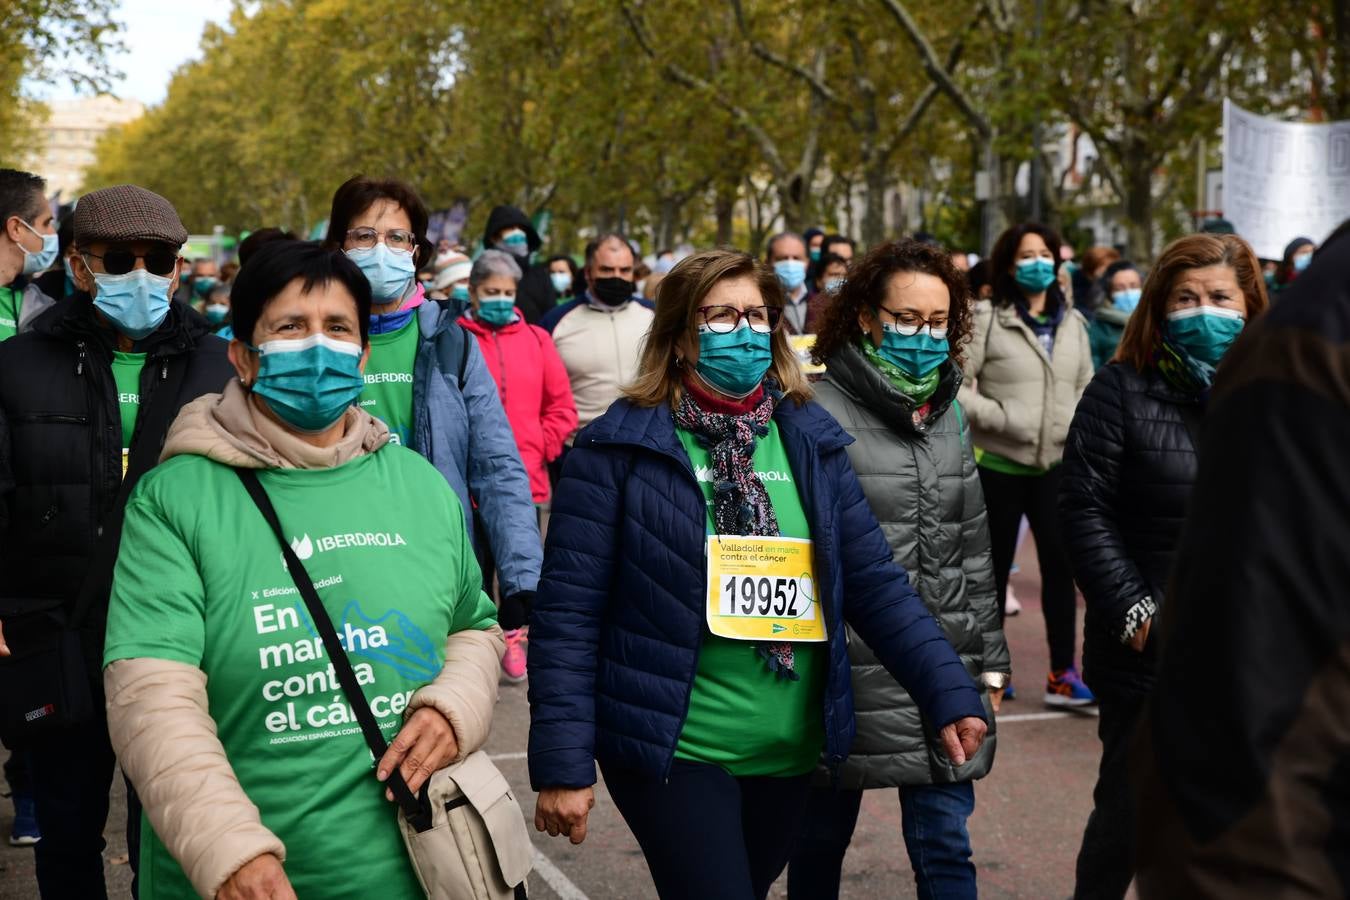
(417, 811)
(146, 443)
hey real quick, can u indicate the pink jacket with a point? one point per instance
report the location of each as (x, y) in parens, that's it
(535, 392)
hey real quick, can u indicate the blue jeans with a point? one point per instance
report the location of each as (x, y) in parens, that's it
(933, 820)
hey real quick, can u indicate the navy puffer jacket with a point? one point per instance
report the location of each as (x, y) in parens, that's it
(619, 618)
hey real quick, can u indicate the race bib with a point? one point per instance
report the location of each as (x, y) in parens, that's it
(763, 589)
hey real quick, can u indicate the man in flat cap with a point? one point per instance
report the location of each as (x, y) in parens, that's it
(86, 397)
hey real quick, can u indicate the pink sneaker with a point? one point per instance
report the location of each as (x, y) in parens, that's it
(513, 662)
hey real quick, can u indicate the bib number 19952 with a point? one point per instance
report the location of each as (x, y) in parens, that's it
(762, 588)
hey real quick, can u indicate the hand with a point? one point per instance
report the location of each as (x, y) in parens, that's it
(4, 648)
(962, 738)
(564, 811)
(426, 744)
(996, 699)
(1139, 639)
(261, 878)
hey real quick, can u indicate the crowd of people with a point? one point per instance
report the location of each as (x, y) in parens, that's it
(742, 593)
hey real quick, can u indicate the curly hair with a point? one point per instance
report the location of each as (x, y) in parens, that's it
(866, 286)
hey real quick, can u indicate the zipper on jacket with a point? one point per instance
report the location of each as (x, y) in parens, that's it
(80, 359)
(501, 367)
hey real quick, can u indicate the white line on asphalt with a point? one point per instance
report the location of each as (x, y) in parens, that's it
(1029, 717)
(554, 878)
(504, 757)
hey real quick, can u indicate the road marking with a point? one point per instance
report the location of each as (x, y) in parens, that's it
(506, 757)
(1034, 717)
(554, 878)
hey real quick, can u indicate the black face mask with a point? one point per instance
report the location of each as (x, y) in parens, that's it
(612, 291)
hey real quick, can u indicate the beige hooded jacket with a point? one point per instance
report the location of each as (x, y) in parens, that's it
(158, 714)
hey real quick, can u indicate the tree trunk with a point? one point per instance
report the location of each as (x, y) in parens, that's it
(724, 205)
(1138, 183)
(874, 208)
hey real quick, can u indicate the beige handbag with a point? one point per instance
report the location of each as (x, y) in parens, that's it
(465, 833)
(478, 846)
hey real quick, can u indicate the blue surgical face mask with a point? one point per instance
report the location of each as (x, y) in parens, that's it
(833, 285)
(1302, 261)
(309, 383)
(516, 243)
(791, 272)
(1126, 300)
(42, 259)
(135, 302)
(734, 363)
(562, 281)
(390, 272)
(1035, 275)
(496, 311)
(914, 354)
(1205, 332)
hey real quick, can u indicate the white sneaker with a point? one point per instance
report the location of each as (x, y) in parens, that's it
(1011, 606)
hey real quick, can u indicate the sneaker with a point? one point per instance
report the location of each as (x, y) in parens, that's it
(1008, 692)
(1066, 688)
(25, 832)
(1011, 606)
(513, 662)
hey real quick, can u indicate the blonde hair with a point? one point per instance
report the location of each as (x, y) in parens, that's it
(678, 298)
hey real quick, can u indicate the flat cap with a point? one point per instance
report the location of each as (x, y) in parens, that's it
(127, 213)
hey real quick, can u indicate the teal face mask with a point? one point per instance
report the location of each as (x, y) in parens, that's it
(309, 383)
(496, 311)
(1205, 332)
(914, 354)
(735, 363)
(1035, 275)
(460, 293)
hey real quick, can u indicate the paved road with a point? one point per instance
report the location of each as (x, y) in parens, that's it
(1029, 815)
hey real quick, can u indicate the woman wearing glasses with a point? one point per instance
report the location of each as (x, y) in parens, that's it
(892, 342)
(1028, 363)
(709, 539)
(427, 381)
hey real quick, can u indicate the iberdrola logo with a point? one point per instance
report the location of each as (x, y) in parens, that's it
(305, 548)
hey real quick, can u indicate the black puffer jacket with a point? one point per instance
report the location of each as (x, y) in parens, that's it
(61, 439)
(1129, 465)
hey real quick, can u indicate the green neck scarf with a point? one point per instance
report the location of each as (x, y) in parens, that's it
(916, 389)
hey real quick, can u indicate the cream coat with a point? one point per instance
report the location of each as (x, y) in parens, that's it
(1019, 400)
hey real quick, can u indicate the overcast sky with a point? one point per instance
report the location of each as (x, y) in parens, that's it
(160, 35)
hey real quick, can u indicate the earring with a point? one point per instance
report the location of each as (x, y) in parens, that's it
(679, 362)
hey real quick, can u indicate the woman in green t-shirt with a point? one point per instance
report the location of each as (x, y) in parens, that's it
(224, 710)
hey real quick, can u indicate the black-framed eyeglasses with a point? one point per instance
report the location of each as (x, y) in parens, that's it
(394, 239)
(120, 262)
(726, 319)
(909, 323)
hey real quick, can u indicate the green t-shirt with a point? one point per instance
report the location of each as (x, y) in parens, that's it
(10, 303)
(389, 380)
(204, 584)
(127, 375)
(742, 716)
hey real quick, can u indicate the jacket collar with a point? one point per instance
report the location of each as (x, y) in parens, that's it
(74, 320)
(653, 427)
(471, 324)
(850, 371)
(433, 318)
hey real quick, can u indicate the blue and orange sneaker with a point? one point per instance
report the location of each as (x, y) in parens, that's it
(1065, 688)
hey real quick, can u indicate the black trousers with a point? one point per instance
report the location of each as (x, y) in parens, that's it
(708, 835)
(1008, 498)
(1106, 859)
(72, 774)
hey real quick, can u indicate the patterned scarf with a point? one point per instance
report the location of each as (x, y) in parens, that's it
(1182, 371)
(741, 504)
(916, 389)
(1043, 326)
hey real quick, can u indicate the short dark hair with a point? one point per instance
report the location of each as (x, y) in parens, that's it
(867, 283)
(359, 193)
(276, 264)
(978, 276)
(782, 236)
(1006, 291)
(65, 233)
(22, 194)
(830, 239)
(249, 245)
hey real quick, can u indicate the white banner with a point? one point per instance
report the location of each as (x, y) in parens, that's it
(1283, 180)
